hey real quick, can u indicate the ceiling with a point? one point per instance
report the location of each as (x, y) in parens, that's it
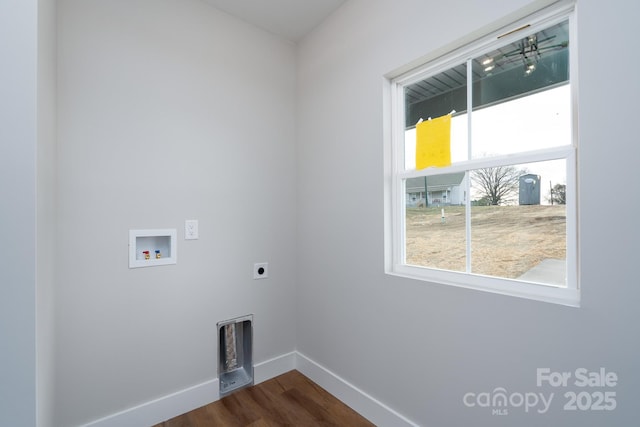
(291, 19)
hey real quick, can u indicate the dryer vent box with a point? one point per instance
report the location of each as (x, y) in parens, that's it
(235, 359)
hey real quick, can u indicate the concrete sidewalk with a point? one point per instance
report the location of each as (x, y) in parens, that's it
(550, 271)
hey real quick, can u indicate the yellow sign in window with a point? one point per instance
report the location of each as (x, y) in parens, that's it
(433, 142)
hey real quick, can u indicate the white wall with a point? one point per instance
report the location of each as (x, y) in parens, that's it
(168, 110)
(27, 146)
(420, 347)
(18, 142)
(45, 211)
(142, 83)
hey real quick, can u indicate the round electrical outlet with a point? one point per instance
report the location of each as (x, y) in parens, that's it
(260, 270)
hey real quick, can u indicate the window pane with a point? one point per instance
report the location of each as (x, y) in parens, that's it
(521, 95)
(533, 63)
(504, 228)
(533, 122)
(519, 230)
(435, 233)
(433, 97)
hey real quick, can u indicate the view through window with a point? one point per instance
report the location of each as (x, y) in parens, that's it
(499, 208)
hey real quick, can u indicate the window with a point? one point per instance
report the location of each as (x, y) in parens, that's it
(481, 164)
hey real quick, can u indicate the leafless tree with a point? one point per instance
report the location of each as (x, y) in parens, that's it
(497, 185)
(558, 195)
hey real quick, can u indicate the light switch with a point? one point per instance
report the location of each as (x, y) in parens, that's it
(191, 229)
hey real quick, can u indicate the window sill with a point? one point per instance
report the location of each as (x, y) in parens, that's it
(515, 288)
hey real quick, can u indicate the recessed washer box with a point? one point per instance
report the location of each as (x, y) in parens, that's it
(150, 248)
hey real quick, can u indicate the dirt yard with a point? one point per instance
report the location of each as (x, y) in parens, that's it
(506, 241)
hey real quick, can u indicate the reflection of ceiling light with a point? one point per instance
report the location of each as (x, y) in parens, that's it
(487, 61)
(489, 68)
(529, 67)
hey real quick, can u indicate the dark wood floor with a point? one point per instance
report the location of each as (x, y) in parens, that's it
(290, 399)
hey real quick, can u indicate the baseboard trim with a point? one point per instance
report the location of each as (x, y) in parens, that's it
(174, 404)
(366, 405)
(273, 367)
(164, 408)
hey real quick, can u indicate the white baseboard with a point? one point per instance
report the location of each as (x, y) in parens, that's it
(172, 405)
(367, 406)
(273, 367)
(164, 408)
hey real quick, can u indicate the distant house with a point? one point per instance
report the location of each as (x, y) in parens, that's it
(442, 190)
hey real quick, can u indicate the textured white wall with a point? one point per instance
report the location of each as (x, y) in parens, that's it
(168, 110)
(420, 347)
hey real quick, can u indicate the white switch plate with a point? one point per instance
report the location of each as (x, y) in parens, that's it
(261, 270)
(191, 229)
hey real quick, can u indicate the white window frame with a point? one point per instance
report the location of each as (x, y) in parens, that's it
(395, 174)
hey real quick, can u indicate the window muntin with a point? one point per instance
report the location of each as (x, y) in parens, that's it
(521, 117)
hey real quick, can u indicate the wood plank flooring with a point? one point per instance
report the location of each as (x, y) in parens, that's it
(290, 399)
